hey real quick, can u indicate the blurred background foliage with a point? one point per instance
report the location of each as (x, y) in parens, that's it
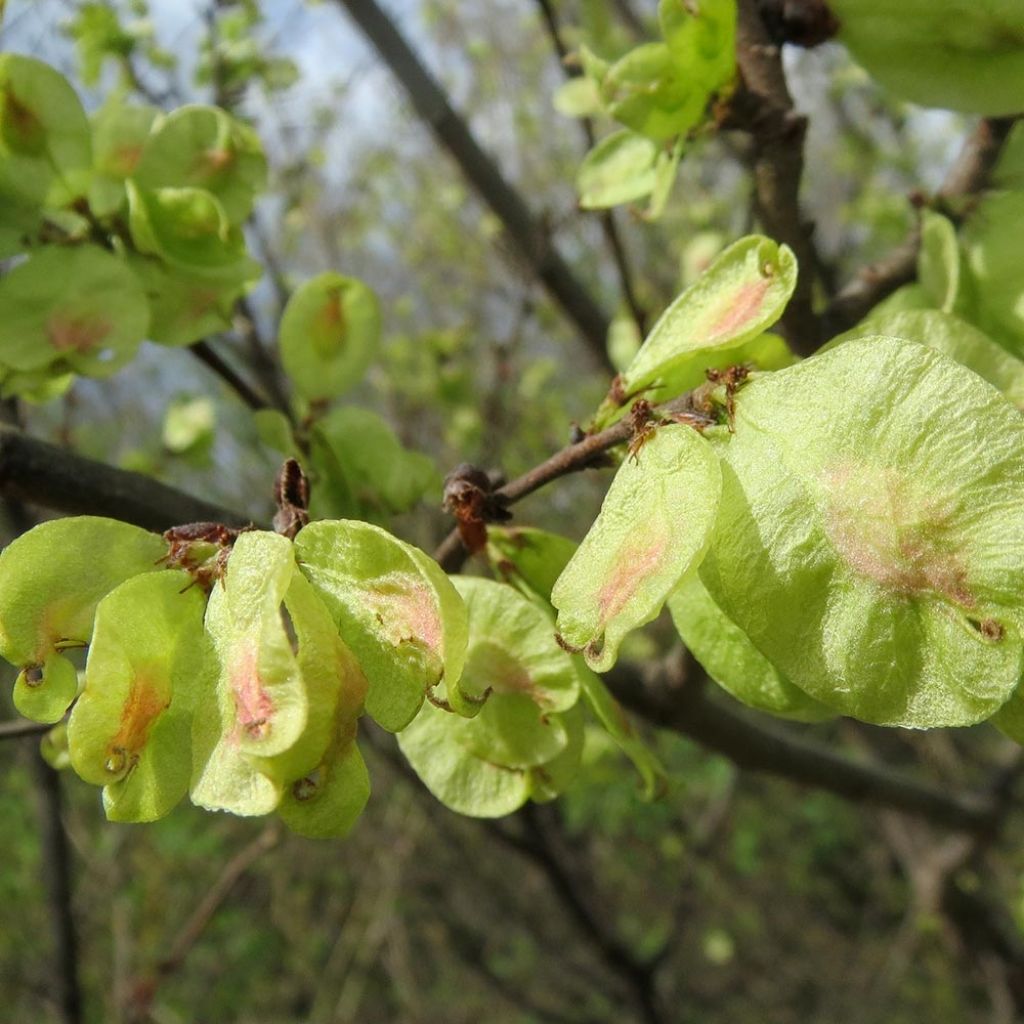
(735, 898)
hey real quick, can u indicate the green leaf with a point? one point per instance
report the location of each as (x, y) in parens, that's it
(938, 261)
(119, 131)
(648, 91)
(728, 656)
(262, 703)
(381, 477)
(150, 667)
(992, 247)
(964, 57)
(275, 431)
(871, 534)
(954, 337)
(205, 148)
(80, 306)
(623, 339)
(184, 308)
(529, 559)
(45, 144)
(396, 610)
(619, 169)
(609, 713)
(329, 335)
(738, 297)
(665, 169)
(579, 97)
(51, 580)
(189, 425)
(653, 528)
(702, 38)
(189, 230)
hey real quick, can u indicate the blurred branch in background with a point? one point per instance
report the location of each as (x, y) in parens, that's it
(531, 239)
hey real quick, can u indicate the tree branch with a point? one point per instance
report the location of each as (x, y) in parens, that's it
(531, 239)
(609, 227)
(56, 867)
(20, 728)
(764, 107)
(968, 176)
(207, 355)
(43, 474)
(674, 697)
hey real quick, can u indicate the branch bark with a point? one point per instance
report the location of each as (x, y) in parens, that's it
(532, 240)
(968, 176)
(55, 478)
(764, 107)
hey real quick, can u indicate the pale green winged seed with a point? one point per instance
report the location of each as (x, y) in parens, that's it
(619, 169)
(396, 610)
(732, 661)
(150, 668)
(871, 535)
(262, 705)
(328, 807)
(51, 580)
(653, 528)
(740, 295)
(329, 334)
(954, 337)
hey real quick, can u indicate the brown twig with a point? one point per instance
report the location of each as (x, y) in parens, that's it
(208, 356)
(145, 989)
(968, 176)
(764, 107)
(20, 729)
(530, 237)
(609, 227)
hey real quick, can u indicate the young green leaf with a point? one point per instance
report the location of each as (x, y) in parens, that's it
(738, 297)
(81, 306)
(396, 610)
(729, 657)
(702, 38)
(531, 560)
(609, 713)
(619, 169)
(329, 335)
(649, 91)
(45, 143)
(578, 97)
(51, 580)
(966, 57)
(150, 667)
(205, 148)
(189, 230)
(871, 534)
(653, 528)
(382, 478)
(992, 247)
(938, 261)
(119, 132)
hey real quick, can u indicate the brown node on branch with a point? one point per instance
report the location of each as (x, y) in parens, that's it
(201, 549)
(291, 495)
(643, 422)
(806, 23)
(470, 497)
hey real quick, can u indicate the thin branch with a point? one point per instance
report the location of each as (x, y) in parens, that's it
(46, 475)
(190, 933)
(206, 354)
(674, 697)
(533, 241)
(56, 867)
(608, 224)
(20, 729)
(968, 176)
(764, 107)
